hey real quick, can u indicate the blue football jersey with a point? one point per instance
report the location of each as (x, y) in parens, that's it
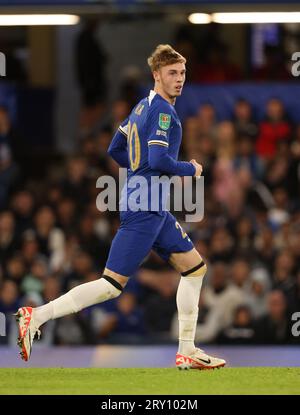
(153, 136)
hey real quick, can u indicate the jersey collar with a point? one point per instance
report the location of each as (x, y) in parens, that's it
(151, 96)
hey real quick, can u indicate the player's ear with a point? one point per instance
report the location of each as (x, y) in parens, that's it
(156, 76)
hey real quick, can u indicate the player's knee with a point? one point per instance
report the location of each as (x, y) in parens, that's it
(116, 286)
(197, 271)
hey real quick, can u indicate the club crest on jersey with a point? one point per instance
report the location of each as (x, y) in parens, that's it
(164, 121)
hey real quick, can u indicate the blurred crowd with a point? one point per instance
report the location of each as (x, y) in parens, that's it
(53, 237)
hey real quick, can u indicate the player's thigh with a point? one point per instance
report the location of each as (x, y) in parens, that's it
(132, 244)
(174, 245)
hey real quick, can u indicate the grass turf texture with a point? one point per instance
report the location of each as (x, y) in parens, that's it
(240, 381)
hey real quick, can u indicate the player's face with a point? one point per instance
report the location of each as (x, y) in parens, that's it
(171, 79)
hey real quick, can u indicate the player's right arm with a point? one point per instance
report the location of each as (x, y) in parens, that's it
(118, 146)
(158, 143)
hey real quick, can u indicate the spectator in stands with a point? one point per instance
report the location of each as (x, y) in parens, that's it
(203, 124)
(131, 84)
(220, 299)
(81, 265)
(50, 238)
(103, 140)
(8, 136)
(35, 280)
(51, 289)
(76, 183)
(66, 215)
(293, 184)
(8, 237)
(294, 176)
(8, 168)
(88, 239)
(15, 269)
(126, 324)
(8, 297)
(240, 275)
(191, 138)
(226, 141)
(246, 158)
(273, 129)
(74, 329)
(296, 299)
(243, 120)
(206, 156)
(277, 173)
(23, 205)
(244, 238)
(285, 236)
(161, 306)
(284, 276)
(279, 213)
(30, 249)
(259, 287)
(9, 300)
(241, 331)
(119, 112)
(89, 150)
(275, 326)
(224, 181)
(54, 194)
(294, 245)
(206, 120)
(265, 248)
(221, 246)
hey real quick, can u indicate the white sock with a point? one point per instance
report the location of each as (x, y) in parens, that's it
(187, 299)
(76, 299)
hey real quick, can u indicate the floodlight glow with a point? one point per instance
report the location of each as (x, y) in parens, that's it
(38, 19)
(199, 18)
(257, 17)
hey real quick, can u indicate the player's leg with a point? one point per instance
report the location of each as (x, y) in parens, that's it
(79, 297)
(192, 270)
(109, 286)
(174, 245)
(131, 244)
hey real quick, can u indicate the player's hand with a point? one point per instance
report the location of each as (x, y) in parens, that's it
(198, 167)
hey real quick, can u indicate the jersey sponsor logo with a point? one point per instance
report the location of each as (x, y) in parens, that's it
(164, 121)
(160, 132)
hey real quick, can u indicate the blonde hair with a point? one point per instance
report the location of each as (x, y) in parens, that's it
(164, 55)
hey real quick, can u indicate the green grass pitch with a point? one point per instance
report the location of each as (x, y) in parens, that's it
(240, 381)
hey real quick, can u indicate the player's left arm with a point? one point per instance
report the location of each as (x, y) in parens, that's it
(118, 146)
(158, 143)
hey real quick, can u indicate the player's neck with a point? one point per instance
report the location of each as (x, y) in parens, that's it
(171, 100)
